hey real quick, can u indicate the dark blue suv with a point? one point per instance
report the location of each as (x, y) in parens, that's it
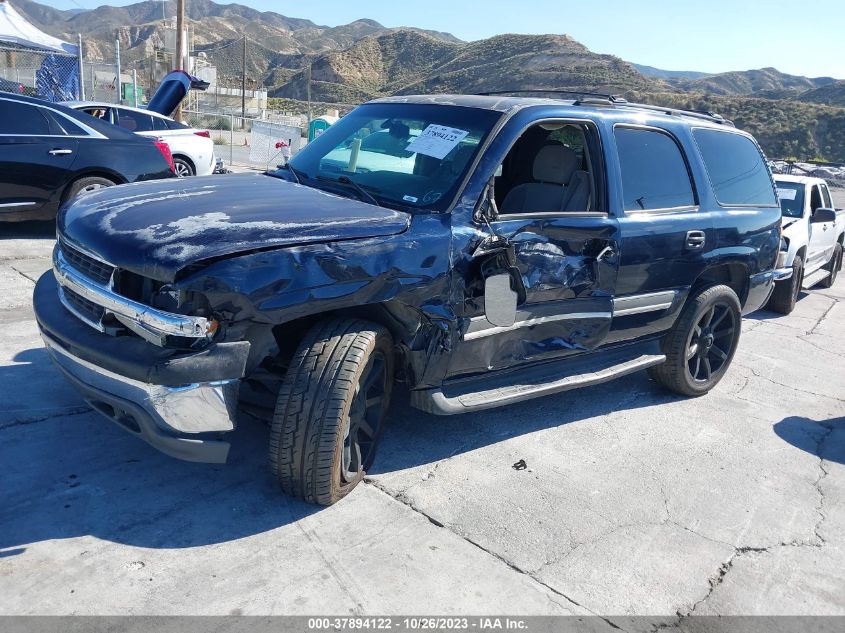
(482, 250)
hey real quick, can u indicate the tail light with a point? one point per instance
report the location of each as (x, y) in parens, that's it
(164, 148)
(204, 133)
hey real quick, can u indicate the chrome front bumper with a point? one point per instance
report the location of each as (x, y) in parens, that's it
(164, 416)
(782, 271)
(149, 323)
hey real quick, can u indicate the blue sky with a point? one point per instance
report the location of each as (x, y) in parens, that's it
(803, 38)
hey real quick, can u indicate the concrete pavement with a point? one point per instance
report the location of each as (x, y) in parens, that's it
(634, 501)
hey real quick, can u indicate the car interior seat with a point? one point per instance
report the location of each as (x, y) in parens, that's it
(558, 184)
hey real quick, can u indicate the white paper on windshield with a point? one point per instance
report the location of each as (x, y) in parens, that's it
(437, 141)
(787, 194)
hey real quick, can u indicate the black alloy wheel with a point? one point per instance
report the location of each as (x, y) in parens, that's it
(710, 342)
(365, 419)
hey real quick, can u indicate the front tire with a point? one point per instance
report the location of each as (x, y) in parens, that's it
(330, 409)
(786, 292)
(833, 267)
(701, 345)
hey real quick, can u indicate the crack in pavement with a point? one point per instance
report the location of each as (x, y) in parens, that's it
(24, 275)
(47, 416)
(823, 316)
(804, 338)
(404, 500)
(786, 386)
(818, 484)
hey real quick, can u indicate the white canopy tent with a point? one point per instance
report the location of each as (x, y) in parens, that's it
(14, 29)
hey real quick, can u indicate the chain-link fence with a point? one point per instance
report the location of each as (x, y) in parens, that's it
(250, 142)
(51, 75)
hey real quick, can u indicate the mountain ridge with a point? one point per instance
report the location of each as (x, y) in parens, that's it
(363, 59)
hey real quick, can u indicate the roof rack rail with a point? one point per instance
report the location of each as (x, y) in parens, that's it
(598, 98)
(698, 114)
(607, 97)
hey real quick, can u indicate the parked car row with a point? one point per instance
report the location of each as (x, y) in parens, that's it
(483, 250)
(192, 149)
(813, 235)
(50, 153)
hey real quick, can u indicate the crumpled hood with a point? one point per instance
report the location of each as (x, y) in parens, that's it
(157, 228)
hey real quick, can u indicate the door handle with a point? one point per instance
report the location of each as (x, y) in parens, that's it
(60, 152)
(695, 240)
(606, 253)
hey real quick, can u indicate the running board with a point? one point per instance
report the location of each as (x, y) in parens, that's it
(814, 278)
(507, 387)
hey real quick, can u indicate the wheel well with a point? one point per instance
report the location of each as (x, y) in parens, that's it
(400, 322)
(272, 347)
(841, 238)
(735, 276)
(802, 253)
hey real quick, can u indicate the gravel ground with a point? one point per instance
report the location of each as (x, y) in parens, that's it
(634, 501)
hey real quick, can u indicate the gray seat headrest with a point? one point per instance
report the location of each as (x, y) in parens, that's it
(555, 164)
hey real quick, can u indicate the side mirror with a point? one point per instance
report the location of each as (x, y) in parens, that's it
(500, 300)
(823, 214)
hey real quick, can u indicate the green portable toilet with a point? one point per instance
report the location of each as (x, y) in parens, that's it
(320, 125)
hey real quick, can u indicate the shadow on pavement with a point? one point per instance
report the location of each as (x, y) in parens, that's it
(814, 436)
(768, 315)
(30, 230)
(80, 474)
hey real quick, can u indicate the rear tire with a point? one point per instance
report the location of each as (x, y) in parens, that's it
(701, 345)
(86, 184)
(182, 168)
(833, 267)
(786, 292)
(330, 409)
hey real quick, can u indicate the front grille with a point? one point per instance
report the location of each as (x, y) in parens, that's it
(94, 269)
(90, 311)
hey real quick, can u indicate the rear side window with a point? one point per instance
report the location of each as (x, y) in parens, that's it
(736, 168)
(66, 126)
(134, 121)
(22, 119)
(159, 123)
(654, 172)
(174, 125)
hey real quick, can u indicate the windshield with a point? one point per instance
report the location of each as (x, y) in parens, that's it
(401, 155)
(791, 196)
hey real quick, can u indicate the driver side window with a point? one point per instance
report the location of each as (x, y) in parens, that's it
(547, 170)
(815, 199)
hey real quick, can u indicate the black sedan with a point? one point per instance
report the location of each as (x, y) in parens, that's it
(50, 153)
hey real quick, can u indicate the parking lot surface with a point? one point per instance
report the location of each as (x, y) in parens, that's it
(633, 501)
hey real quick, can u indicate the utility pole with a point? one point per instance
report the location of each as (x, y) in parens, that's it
(117, 70)
(308, 93)
(81, 68)
(179, 57)
(243, 85)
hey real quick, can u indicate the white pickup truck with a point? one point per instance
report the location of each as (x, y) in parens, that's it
(813, 234)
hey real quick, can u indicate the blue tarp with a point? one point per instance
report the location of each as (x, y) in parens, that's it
(58, 78)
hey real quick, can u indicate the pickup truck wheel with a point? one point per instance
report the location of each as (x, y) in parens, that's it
(700, 346)
(833, 267)
(330, 409)
(786, 292)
